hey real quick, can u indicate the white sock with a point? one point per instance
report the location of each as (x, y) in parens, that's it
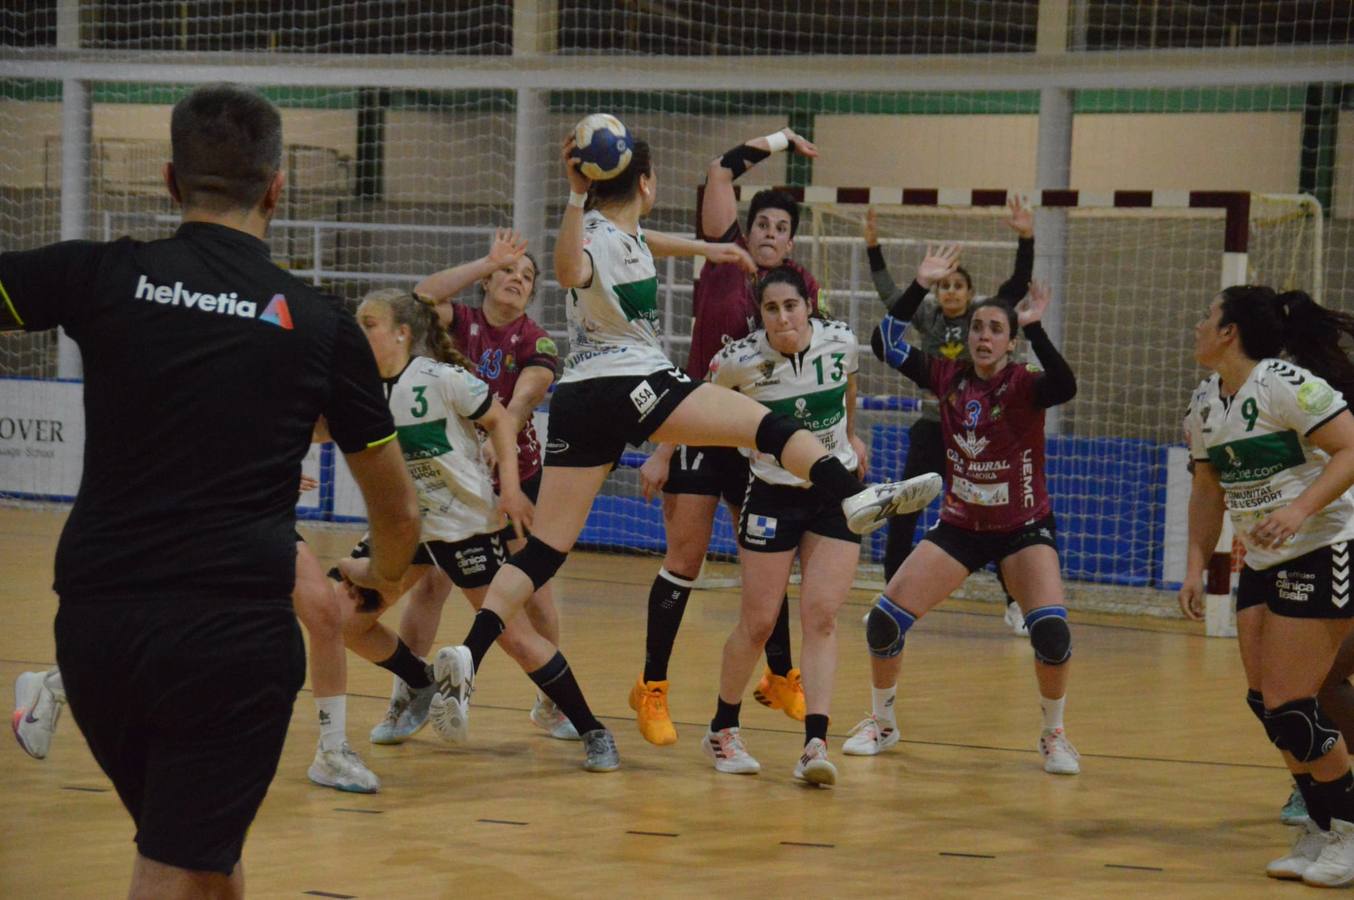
(1053, 712)
(882, 701)
(333, 721)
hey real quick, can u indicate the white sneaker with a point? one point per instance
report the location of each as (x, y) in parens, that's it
(871, 736)
(38, 698)
(406, 715)
(1334, 867)
(1015, 619)
(1060, 757)
(871, 508)
(546, 715)
(1307, 846)
(731, 757)
(342, 769)
(813, 765)
(449, 709)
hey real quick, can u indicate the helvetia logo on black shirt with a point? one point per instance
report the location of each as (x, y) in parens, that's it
(228, 304)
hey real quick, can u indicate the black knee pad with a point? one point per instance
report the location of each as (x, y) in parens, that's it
(1049, 635)
(1256, 701)
(1301, 728)
(886, 628)
(538, 560)
(775, 431)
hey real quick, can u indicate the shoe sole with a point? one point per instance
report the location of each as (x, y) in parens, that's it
(591, 767)
(1062, 771)
(1344, 882)
(920, 491)
(451, 715)
(1284, 876)
(820, 772)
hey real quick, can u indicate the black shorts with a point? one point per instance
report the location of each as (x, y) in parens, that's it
(1312, 586)
(185, 705)
(591, 421)
(532, 488)
(975, 549)
(775, 516)
(470, 563)
(708, 471)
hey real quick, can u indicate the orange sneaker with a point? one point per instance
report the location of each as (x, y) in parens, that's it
(783, 693)
(649, 700)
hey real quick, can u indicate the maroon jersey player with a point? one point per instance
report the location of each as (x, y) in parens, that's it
(996, 505)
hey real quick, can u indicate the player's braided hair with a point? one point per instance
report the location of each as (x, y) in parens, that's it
(1291, 323)
(427, 334)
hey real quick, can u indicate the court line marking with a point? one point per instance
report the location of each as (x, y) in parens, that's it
(1137, 868)
(328, 894)
(670, 834)
(501, 822)
(968, 855)
(87, 790)
(807, 844)
(365, 812)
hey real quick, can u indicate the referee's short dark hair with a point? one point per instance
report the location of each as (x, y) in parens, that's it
(227, 144)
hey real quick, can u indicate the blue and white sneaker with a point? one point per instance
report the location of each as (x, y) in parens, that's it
(406, 715)
(1294, 812)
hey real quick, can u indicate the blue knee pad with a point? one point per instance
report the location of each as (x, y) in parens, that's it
(1049, 635)
(886, 628)
(1301, 728)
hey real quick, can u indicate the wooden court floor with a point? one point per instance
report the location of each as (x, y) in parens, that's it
(1178, 796)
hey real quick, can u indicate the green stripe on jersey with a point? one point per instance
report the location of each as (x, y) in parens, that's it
(425, 440)
(817, 411)
(639, 300)
(1256, 458)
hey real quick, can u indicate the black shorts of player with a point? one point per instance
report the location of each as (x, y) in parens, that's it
(708, 471)
(532, 488)
(591, 421)
(185, 703)
(470, 563)
(975, 549)
(775, 516)
(1312, 586)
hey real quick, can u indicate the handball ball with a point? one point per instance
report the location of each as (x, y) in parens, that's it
(603, 145)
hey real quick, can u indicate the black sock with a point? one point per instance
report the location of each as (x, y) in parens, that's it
(1338, 796)
(1315, 799)
(830, 475)
(556, 680)
(484, 630)
(726, 715)
(667, 603)
(406, 666)
(815, 726)
(778, 658)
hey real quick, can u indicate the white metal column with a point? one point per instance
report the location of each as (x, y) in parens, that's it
(534, 24)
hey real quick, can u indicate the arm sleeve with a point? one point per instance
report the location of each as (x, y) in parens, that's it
(915, 366)
(1014, 289)
(906, 304)
(49, 286)
(1058, 384)
(884, 284)
(356, 407)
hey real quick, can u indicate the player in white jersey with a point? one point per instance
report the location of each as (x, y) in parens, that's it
(619, 388)
(801, 365)
(437, 407)
(1272, 443)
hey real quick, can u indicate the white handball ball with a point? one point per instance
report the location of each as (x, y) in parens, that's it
(603, 145)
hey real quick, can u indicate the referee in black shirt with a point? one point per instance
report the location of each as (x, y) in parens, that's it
(206, 367)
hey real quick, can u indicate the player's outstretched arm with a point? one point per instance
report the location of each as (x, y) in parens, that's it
(719, 209)
(573, 265)
(661, 245)
(1058, 384)
(392, 515)
(884, 284)
(1021, 221)
(502, 429)
(507, 247)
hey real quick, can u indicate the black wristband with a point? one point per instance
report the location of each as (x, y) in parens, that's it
(876, 255)
(741, 158)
